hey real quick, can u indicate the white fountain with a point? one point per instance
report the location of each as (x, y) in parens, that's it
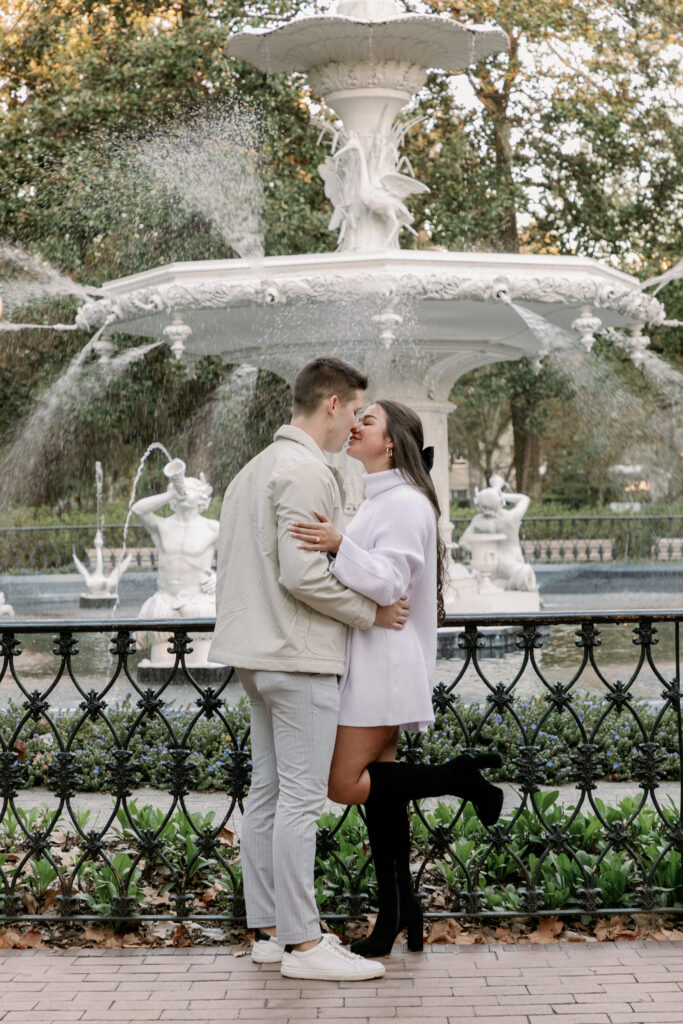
(102, 587)
(417, 320)
(503, 579)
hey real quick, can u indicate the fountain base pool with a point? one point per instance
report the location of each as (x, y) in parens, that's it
(155, 675)
(100, 601)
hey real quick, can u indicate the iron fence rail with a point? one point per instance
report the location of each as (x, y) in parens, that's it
(31, 549)
(540, 858)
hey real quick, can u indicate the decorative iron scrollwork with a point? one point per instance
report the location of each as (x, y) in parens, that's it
(541, 722)
(646, 765)
(123, 773)
(529, 772)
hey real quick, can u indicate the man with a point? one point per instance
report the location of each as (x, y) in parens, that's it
(281, 621)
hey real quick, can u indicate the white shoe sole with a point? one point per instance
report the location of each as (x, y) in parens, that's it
(313, 974)
(267, 956)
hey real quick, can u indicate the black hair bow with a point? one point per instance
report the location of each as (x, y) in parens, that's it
(428, 457)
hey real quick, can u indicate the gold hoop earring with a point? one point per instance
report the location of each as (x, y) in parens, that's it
(390, 452)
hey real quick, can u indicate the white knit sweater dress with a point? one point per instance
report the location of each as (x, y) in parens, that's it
(389, 550)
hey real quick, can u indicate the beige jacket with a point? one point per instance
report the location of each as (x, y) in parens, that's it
(278, 607)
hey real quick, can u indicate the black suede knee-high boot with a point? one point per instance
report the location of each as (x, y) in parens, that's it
(391, 781)
(398, 906)
(410, 907)
(379, 818)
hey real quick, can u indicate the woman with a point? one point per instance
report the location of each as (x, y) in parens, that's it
(390, 549)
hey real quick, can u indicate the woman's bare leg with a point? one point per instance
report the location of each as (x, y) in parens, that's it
(355, 748)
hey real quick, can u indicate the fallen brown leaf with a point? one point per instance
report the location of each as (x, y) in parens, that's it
(226, 836)
(210, 894)
(181, 936)
(547, 930)
(10, 938)
(161, 931)
(31, 940)
(101, 937)
(446, 930)
(30, 903)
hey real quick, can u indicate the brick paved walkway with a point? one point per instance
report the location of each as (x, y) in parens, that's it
(565, 983)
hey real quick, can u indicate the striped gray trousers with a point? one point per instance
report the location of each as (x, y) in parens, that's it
(293, 728)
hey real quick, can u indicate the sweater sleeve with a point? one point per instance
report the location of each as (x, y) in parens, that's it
(306, 574)
(396, 556)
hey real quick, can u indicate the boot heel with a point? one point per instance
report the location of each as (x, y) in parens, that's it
(411, 919)
(415, 931)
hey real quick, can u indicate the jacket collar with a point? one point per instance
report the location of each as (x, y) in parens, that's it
(377, 483)
(292, 433)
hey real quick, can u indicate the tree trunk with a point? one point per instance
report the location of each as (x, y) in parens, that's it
(527, 454)
(507, 234)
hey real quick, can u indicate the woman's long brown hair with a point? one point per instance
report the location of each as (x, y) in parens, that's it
(404, 428)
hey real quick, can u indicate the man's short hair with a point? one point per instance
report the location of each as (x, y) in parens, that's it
(322, 378)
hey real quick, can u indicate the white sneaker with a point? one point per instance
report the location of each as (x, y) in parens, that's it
(266, 949)
(330, 961)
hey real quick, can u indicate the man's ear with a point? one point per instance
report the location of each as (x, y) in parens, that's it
(332, 403)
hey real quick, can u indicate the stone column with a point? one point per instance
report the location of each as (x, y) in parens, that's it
(434, 416)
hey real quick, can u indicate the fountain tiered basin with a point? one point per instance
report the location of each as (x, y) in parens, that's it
(415, 320)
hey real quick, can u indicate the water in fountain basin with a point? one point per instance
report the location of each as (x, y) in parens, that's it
(211, 165)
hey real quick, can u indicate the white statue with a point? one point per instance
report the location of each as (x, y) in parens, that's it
(6, 610)
(507, 566)
(101, 587)
(364, 182)
(186, 545)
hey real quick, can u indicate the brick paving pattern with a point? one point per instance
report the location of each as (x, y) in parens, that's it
(564, 983)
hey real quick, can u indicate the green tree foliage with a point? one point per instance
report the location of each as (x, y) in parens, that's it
(572, 144)
(81, 83)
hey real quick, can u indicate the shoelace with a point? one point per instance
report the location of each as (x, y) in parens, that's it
(336, 943)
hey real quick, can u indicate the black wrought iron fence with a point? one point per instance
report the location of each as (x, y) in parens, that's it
(597, 538)
(582, 699)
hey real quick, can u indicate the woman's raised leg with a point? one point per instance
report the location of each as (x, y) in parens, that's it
(355, 748)
(388, 831)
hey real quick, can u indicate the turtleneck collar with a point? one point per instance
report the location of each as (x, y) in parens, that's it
(377, 483)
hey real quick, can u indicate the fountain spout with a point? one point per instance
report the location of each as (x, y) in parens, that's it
(102, 588)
